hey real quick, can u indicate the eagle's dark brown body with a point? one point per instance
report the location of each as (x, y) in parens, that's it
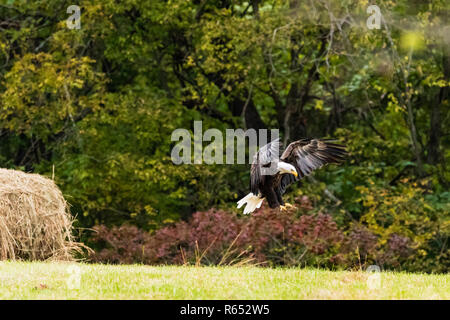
(270, 189)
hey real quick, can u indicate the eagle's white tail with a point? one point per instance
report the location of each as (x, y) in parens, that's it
(252, 202)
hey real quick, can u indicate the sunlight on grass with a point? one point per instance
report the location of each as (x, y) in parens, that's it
(24, 280)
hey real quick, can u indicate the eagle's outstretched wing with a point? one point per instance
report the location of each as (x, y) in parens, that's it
(307, 155)
(262, 158)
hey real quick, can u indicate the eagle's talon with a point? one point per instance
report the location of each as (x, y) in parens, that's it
(283, 208)
(290, 206)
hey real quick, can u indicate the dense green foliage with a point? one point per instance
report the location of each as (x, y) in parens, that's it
(97, 105)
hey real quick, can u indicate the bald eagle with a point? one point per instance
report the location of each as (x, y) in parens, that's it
(298, 160)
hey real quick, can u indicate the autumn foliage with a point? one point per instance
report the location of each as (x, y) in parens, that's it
(297, 237)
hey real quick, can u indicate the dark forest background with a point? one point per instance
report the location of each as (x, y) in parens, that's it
(96, 106)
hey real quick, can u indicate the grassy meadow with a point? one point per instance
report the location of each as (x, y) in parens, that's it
(52, 280)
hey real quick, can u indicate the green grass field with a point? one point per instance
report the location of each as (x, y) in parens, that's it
(51, 280)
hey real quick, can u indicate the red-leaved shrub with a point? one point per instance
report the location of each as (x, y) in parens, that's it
(206, 236)
(267, 236)
(285, 238)
(125, 244)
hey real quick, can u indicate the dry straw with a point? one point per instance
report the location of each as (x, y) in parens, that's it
(35, 222)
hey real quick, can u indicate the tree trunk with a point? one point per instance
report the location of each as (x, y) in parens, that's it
(434, 153)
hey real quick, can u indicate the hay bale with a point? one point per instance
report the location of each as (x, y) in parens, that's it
(35, 223)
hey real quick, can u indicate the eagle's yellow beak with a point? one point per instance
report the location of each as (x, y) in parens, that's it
(295, 173)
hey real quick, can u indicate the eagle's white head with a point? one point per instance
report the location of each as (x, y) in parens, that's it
(284, 167)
